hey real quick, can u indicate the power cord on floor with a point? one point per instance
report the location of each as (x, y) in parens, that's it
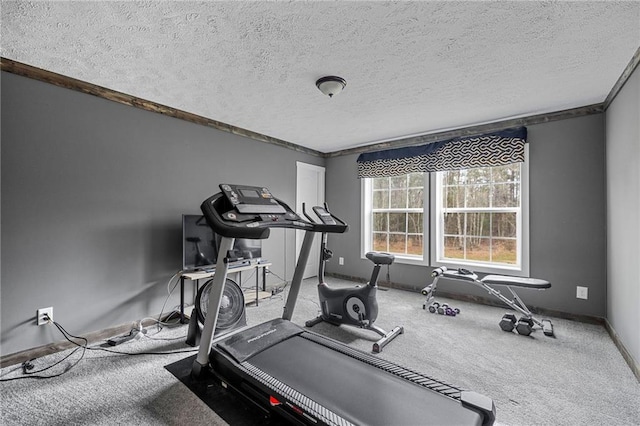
(280, 291)
(167, 322)
(159, 321)
(28, 367)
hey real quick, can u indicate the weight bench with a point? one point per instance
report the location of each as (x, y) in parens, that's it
(525, 325)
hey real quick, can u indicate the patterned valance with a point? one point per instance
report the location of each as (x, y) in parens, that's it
(493, 149)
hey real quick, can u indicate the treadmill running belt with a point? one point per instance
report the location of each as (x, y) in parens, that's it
(357, 391)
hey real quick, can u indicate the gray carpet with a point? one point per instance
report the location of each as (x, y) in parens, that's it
(576, 378)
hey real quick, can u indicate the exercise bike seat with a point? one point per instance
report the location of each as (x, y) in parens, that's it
(380, 258)
(516, 281)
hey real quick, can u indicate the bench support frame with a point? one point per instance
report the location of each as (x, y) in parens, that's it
(515, 303)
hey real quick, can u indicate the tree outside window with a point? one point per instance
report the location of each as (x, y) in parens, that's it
(480, 211)
(398, 214)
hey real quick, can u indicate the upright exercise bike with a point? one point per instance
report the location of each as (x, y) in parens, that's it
(355, 306)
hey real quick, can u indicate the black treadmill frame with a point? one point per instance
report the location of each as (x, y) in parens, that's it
(259, 386)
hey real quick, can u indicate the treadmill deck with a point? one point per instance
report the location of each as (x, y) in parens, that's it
(335, 384)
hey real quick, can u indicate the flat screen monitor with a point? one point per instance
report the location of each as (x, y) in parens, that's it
(200, 245)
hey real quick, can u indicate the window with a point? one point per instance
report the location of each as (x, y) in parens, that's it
(394, 221)
(478, 218)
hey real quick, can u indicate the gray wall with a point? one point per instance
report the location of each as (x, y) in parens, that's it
(567, 218)
(92, 193)
(623, 214)
(92, 198)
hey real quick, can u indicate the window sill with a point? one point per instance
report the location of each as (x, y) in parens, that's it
(405, 260)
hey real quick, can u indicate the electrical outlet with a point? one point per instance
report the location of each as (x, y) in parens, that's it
(341, 260)
(41, 315)
(582, 292)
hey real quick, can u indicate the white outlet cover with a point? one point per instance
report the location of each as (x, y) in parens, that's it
(582, 292)
(40, 314)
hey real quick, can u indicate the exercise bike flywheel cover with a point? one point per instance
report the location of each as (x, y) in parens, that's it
(355, 308)
(231, 305)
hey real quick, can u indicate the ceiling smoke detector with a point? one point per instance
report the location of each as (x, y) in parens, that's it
(331, 85)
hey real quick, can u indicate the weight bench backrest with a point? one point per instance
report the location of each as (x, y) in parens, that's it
(516, 281)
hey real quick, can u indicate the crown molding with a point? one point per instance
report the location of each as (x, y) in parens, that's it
(60, 80)
(50, 77)
(474, 130)
(630, 68)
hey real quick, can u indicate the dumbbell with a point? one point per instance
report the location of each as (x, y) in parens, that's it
(434, 307)
(442, 309)
(524, 326)
(451, 312)
(508, 322)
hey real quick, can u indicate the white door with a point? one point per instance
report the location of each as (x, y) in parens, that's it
(309, 190)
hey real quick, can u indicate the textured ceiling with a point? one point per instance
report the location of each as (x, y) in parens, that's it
(411, 67)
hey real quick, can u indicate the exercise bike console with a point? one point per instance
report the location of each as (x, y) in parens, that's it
(324, 215)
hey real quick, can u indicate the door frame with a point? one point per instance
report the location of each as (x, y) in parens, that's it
(320, 172)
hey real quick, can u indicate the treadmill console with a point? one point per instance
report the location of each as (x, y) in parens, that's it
(251, 199)
(242, 211)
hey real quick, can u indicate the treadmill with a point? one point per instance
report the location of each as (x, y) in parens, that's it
(302, 376)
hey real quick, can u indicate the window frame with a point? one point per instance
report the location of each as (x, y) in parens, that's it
(432, 228)
(522, 230)
(366, 233)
